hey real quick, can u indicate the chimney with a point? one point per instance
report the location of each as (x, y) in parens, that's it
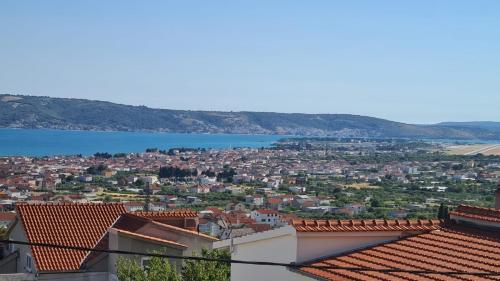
(497, 198)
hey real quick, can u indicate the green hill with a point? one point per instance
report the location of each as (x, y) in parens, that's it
(79, 114)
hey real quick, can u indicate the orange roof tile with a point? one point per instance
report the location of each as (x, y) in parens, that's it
(365, 225)
(478, 213)
(180, 213)
(267, 212)
(71, 224)
(450, 249)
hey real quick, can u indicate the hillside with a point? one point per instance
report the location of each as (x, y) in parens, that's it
(488, 125)
(78, 114)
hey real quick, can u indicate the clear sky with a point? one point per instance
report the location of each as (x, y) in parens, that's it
(411, 61)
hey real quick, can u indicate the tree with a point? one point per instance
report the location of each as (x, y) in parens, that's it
(159, 269)
(443, 212)
(104, 155)
(375, 203)
(227, 174)
(208, 270)
(139, 182)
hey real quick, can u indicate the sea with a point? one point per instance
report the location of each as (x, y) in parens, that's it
(46, 142)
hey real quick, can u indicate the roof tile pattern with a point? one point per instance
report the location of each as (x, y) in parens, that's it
(446, 250)
(70, 224)
(365, 225)
(478, 213)
(178, 213)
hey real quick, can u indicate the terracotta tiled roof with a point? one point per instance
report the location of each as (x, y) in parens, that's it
(267, 212)
(179, 213)
(445, 250)
(478, 213)
(69, 224)
(364, 225)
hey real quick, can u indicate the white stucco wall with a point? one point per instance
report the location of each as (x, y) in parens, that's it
(76, 276)
(273, 246)
(285, 245)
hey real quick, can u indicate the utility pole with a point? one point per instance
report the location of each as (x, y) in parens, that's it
(147, 190)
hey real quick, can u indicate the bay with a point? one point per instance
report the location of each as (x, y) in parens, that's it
(45, 142)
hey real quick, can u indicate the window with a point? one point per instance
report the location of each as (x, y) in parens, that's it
(145, 262)
(29, 263)
(12, 248)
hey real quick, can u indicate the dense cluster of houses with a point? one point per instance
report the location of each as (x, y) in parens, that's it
(276, 178)
(464, 246)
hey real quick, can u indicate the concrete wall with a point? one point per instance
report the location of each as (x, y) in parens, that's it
(9, 263)
(76, 276)
(195, 243)
(135, 245)
(285, 245)
(267, 247)
(19, 235)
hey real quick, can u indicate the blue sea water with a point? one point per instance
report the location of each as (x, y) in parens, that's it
(41, 142)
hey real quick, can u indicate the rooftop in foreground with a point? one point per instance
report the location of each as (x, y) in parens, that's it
(449, 249)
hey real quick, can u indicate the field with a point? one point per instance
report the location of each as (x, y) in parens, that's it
(361, 186)
(485, 149)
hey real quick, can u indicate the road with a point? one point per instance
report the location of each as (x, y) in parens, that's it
(483, 149)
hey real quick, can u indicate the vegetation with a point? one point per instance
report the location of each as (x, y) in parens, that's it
(59, 113)
(159, 269)
(175, 172)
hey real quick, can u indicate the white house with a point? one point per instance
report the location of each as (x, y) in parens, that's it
(103, 226)
(267, 216)
(150, 180)
(254, 200)
(305, 241)
(208, 180)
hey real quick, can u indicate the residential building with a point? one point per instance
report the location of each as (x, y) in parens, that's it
(468, 243)
(267, 216)
(100, 226)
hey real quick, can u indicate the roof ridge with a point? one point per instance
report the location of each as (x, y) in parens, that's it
(68, 203)
(149, 237)
(365, 225)
(183, 230)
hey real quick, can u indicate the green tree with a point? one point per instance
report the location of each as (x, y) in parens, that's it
(208, 270)
(443, 212)
(129, 270)
(159, 269)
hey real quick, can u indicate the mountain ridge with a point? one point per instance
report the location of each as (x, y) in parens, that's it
(22, 111)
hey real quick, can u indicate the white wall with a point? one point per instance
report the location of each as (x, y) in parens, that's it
(273, 246)
(285, 245)
(76, 276)
(18, 234)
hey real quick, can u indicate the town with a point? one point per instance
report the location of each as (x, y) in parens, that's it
(242, 190)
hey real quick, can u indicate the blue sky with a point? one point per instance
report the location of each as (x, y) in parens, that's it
(418, 61)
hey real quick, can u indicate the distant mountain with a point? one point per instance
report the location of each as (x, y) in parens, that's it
(488, 125)
(78, 114)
